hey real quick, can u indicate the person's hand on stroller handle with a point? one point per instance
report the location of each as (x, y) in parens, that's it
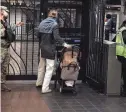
(67, 45)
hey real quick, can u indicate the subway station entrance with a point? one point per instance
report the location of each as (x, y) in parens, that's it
(81, 23)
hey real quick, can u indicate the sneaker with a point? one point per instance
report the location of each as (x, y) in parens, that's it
(5, 88)
(46, 91)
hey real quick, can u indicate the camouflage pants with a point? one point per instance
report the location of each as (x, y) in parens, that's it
(5, 58)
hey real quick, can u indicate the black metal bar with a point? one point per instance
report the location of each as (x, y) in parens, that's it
(28, 77)
(84, 40)
(41, 10)
(15, 23)
(12, 69)
(27, 50)
(17, 64)
(102, 35)
(45, 8)
(70, 17)
(33, 40)
(76, 16)
(9, 10)
(18, 56)
(21, 35)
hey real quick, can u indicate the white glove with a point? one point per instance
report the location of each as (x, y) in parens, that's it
(67, 45)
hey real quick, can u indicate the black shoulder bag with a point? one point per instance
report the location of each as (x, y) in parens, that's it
(10, 35)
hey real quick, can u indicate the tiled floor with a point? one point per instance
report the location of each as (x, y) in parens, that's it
(87, 100)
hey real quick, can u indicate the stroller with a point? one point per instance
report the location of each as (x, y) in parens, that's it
(68, 69)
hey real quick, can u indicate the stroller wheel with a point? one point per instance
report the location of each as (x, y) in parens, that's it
(61, 89)
(74, 92)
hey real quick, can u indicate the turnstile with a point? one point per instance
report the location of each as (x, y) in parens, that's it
(113, 70)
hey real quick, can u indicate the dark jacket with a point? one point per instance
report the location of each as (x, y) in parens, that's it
(109, 25)
(48, 36)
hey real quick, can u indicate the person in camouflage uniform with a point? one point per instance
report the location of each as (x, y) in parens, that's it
(5, 56)
(4, 49)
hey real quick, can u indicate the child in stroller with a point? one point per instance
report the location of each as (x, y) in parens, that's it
(69, 68)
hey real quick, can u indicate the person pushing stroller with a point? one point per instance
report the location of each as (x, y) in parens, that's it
(48, 36)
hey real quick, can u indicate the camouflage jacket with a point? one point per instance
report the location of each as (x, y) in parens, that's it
(4, 42)
(2, 30)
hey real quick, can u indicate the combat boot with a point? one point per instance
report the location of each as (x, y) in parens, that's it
(5, 88)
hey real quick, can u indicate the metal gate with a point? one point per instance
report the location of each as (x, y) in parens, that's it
(95, 60)
(24, 51)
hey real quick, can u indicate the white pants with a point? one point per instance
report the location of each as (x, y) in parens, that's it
(45, 71)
